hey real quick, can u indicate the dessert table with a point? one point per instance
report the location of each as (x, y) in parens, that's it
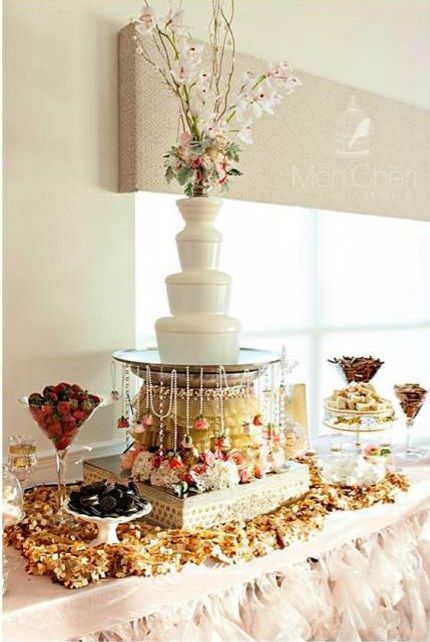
(365, 576)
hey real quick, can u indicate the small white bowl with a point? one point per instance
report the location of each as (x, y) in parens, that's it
(107, 525)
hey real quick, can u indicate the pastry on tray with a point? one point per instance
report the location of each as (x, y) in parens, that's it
(358, 397)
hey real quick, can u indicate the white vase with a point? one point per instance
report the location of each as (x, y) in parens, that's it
(199, 332)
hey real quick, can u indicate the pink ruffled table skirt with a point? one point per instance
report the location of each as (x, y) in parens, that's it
(366, 576)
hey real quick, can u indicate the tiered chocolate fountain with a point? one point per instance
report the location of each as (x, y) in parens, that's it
(202, 393)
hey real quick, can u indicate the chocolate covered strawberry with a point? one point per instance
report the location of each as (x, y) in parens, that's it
(61, 410)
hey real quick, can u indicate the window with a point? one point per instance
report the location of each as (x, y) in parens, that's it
(322, 283)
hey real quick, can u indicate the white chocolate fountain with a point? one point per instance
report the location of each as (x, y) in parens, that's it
(199, 332)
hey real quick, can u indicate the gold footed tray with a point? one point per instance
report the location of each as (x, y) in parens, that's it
(209, 509)
(358, 421)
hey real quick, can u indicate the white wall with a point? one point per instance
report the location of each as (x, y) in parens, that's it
(68, 234)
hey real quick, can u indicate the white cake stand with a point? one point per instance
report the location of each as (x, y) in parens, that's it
(107, 525)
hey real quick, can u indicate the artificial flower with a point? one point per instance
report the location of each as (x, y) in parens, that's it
(244, 475)
(164, 475)
(207, 457)
(222, 474)
(137, 428)
(148, 19)
(143, 465)
(237, 458)
(210, 104)
(128, 458)
(174, 18)
(245, 133)
(200, 423)
(147, 420)
(122, 422)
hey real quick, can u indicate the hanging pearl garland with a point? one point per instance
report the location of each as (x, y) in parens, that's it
(123, 421)
(174, 384)
(150, 398)
(114, 393)
(161, 425)
(187, 403)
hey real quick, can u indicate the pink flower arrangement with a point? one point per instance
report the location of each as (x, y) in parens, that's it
(128, 458)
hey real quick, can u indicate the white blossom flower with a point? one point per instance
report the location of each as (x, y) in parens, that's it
(245, 133)
(184, 72)
(165, 475)
(143, 465)
(291, 83)
(280, 70)
(192, 51)
(221, 474)
(174, 18)
(248, 77)
(148, 19)
(212, 129)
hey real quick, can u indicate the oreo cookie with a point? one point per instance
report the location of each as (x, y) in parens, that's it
(108, 503)
(106, 499)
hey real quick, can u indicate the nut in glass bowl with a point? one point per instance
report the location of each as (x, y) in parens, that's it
(351, 470)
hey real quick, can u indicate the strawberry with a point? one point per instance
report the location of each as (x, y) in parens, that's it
(46, 409)
(63, 407)
(35, 399)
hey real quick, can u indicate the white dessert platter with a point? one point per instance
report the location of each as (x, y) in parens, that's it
(107, 525)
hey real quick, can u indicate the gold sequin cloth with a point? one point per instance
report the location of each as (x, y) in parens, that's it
(65, 555)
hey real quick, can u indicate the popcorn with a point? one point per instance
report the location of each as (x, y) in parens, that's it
(65, 554)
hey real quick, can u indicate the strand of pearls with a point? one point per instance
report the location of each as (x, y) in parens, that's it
(161, 425)
(201, 393)
(150, 398)
(187, 402)
(221, 400)
(174, 384)
(115, 394)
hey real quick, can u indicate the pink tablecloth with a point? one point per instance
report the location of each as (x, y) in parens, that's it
(372, 582)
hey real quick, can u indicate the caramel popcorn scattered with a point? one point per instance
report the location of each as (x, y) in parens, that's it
(65, 554)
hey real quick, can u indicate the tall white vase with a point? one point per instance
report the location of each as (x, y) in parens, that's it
(199, 332)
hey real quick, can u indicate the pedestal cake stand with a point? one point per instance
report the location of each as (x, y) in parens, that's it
(241, 403)
(358, 422)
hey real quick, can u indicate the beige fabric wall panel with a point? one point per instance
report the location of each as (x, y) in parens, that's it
(315, 151)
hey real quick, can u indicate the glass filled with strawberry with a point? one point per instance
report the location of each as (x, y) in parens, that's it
(60, 412)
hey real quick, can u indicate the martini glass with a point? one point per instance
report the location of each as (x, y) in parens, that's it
(411, 397)
(61, 431)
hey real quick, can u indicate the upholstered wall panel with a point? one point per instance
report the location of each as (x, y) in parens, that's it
(312, 152)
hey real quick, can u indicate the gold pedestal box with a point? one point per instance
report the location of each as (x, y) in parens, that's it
(211, 508)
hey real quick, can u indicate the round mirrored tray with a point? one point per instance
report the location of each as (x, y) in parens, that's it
(251, 361)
